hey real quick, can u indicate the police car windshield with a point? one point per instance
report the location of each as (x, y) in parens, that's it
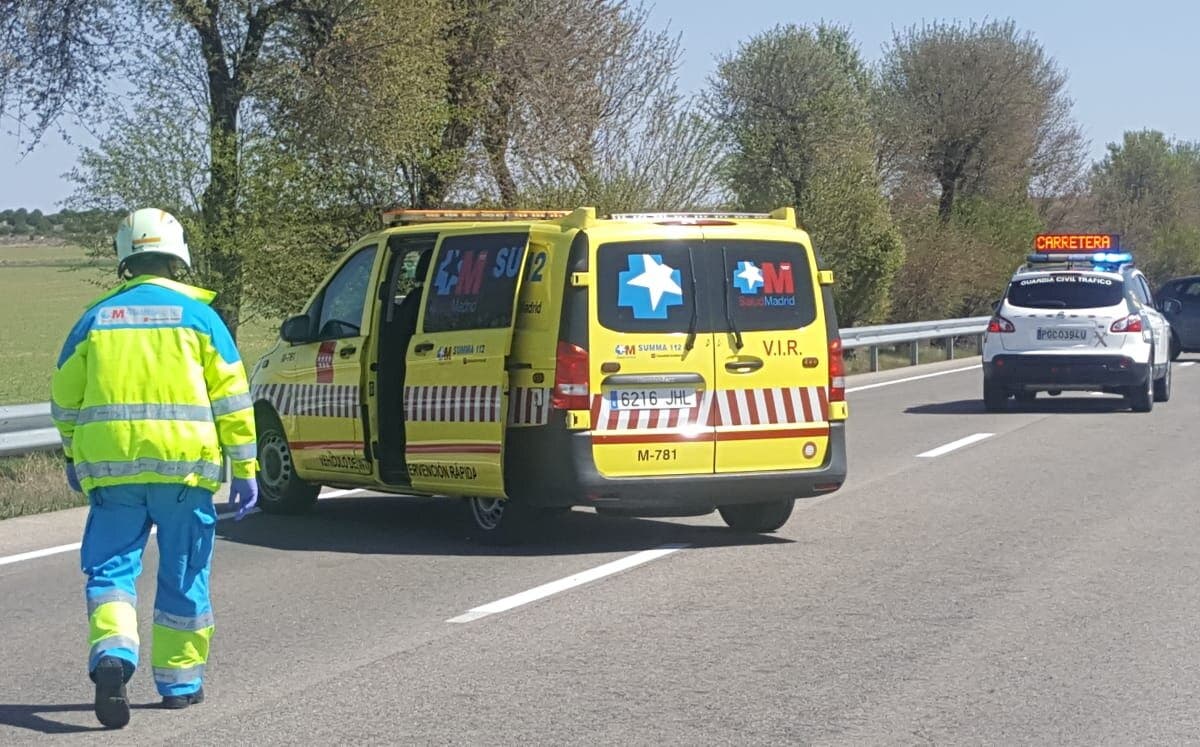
(1066, 291)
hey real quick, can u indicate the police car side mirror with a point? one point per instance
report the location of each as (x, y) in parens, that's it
(296, 329)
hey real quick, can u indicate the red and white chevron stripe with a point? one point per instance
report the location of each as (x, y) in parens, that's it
(311, 400)
(529, 406)
(454, 404)
(723, 408)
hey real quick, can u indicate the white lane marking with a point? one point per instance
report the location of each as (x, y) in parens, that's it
(57, 549)
(865, 387)
(570, 582)
(1185, 364)
(947, 448)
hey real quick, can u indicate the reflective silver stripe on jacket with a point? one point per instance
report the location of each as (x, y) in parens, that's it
(232, 403)
(62, 413)
(169, 676)
(100, 413)
(241, 451)
(179, 622)
(112, 595)
(114, 641)
(97, 470)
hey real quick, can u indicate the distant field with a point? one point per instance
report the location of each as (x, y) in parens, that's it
(43, 290)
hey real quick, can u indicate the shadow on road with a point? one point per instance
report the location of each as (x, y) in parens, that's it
(399, 525)
(1061, 404)
(30, 717)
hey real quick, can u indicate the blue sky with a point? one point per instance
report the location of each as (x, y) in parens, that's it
(1131, 65)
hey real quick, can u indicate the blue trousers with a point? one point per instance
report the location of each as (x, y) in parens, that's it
(118, 526)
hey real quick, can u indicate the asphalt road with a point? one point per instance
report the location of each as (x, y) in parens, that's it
(1037, 584)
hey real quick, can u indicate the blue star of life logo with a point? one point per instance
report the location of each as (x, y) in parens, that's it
(649, 287)
(748, 278)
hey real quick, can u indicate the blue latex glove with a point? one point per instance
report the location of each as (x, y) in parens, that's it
(243, 493)
(72, 479)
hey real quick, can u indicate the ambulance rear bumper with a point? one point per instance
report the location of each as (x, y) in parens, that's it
(576, 481)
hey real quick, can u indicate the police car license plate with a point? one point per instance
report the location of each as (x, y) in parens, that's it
(652, 399)
(1062, 334)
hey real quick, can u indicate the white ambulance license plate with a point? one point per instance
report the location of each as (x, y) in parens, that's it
(1065, 334)
(652, 399)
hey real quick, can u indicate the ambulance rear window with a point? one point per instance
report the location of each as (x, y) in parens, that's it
(647, 286)
(770, 284)
(1066, 291)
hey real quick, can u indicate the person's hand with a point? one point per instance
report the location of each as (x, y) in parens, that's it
(243, 494)
(72, 478)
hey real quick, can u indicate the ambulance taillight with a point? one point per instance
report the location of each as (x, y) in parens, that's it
(837, 371)
(571, 380)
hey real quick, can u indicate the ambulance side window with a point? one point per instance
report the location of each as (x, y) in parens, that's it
(341, 303)
(473, 281)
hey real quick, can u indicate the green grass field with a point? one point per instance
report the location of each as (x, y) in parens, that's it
(43, 291)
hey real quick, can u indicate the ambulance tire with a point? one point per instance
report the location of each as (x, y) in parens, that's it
(280, 489)
(758, 517)
(502, 522)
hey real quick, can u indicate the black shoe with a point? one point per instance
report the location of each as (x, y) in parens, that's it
(112, 704)
(176, 702)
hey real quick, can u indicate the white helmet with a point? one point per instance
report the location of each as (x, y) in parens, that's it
(151, 231)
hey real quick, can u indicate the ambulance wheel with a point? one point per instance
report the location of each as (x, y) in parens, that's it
(499, 521)
(757, 517)
(280, 489)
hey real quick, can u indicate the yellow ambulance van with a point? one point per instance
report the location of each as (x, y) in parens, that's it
(664, 364)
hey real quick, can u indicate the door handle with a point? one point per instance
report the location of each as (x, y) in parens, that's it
(744, 366)
(348, 351)
(423, 347)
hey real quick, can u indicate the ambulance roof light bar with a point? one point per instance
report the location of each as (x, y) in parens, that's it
(785, 214)
(688, 216)
(405, 216)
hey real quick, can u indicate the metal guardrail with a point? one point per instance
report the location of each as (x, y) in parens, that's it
(884, 335)
(27, 428)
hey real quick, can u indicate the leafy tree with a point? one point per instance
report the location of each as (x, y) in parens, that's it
(794, 106)
(1147, 188)
(215, 57)
(976, 110)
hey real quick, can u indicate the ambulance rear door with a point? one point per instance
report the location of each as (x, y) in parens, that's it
(456, 386)
(651, 357)
(771, 408)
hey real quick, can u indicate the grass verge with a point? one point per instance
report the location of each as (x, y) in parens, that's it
(33, 484)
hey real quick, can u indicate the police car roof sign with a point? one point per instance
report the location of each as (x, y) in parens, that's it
(1075, 243)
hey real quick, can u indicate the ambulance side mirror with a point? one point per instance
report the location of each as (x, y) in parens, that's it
(825, 277)
(296, 329)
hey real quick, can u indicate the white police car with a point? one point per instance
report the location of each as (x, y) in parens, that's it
(1077, 321)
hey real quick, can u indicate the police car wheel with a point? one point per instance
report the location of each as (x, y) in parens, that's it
(280, 489)
(1141, 396)
(1162, 387)
(757, 517)
(995, 397)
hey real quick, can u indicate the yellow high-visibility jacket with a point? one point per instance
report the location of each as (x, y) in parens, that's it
(150, 388)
